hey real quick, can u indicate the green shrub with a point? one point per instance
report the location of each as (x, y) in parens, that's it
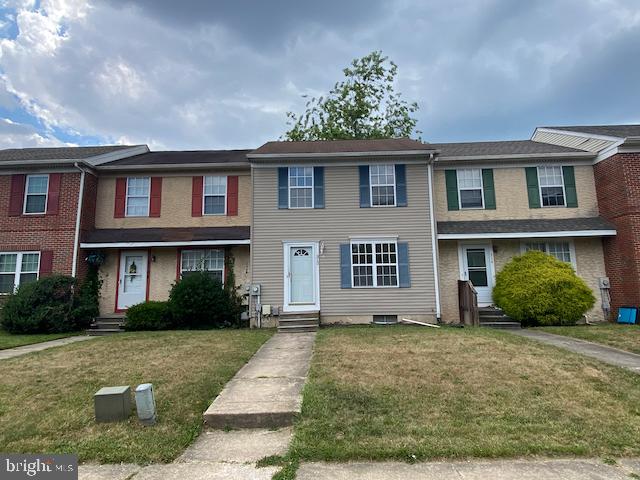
(148, 316)
(537, 289)
(53, 304)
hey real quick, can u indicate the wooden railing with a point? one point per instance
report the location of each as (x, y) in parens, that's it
(468, 303)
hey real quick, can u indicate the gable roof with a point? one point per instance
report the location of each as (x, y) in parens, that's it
(342, 148)
(58, 153)
(620, 131)
(182, 159)
(501, 148)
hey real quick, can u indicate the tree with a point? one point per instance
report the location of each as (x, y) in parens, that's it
(364, 105)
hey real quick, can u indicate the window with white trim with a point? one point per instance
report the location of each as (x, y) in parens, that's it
(36, 191)
(383, 185)
(215, 195)
(374, 264)
(137, 202)
(470, 188)
(18, 268)
(551, 184)
(210, 261)
(562, 250)
(300, 187)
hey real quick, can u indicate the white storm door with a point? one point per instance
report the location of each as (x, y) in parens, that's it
(301, 277)
(477, 264)
(132, 284)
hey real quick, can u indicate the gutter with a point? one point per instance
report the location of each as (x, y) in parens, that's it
(76, 238)
(379, 153)
(434, 241)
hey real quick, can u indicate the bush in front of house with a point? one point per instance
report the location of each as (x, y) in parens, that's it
(54, 304)
(537, 289)
(148, 316)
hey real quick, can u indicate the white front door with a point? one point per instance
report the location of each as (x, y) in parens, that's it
(132, 284)
(477, 266)
(301, 277)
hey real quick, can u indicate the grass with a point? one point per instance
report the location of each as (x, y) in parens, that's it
(624, 337)
(8, 340)
(414, 393)
(46, 398)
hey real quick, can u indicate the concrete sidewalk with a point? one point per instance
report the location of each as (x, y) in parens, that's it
(612, 356)
(36, 347)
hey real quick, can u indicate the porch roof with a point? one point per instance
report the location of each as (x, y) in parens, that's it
(526, 228)
(166, 237)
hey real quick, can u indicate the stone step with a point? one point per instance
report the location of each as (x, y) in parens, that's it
(501, 325)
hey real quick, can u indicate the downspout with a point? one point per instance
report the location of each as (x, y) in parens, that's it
(434, 240)
(74, 268)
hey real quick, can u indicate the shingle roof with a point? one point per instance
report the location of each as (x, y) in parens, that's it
(509, 147)
(342, 146)
(57, 153)
(184, 157)
(621, 131)
(524, 226)
(117, 235)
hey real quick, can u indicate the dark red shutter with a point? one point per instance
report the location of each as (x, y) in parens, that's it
(16, 200)
(196, 197)
(53, 199)
(232, 195)
(46, 263)
(121, 197)
(156, 197)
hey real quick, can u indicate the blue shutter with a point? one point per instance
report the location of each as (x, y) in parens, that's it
(318, 187)
(345, 265)
(365, 195)
(283, 187)
(401, 186)
(404, 279)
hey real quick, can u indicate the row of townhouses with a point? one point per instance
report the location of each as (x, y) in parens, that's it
(358, 230)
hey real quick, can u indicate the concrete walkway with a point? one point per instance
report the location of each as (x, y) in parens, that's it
(610, 355)
(267, 391)
(36, 347)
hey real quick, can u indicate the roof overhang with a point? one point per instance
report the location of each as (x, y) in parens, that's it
(177, 166)
(507, 235)
(194, 243)
(392, 153)
(520, 157)
(70, 162)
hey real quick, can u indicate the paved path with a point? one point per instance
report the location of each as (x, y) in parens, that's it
(36, 347)
(610, 355)
(267, 391)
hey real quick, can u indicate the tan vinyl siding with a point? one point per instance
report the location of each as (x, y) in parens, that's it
(341, 218)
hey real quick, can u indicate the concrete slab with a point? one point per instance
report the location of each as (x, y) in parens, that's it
(632, 465)
(37, 347)
(264, 370)
(121, 471)
(205, 471)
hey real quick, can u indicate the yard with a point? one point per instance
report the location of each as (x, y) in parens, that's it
(46, 398)
(414, 393)
(7, 340)
(624, 337)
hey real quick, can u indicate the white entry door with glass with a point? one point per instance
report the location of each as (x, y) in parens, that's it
(477, 266)
(132, 284)
(301, 277)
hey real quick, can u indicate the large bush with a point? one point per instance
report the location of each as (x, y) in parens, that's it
(148, 316)
(54, 304)
(537, 289)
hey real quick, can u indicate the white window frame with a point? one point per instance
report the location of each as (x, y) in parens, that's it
(546, 242)
(466, 188)
(26, 194)
(374, 264)
(312, 187)
(371, 185)
(224, 266)
(18, 271)
(126, 198)
(540, 186)
(226, 193)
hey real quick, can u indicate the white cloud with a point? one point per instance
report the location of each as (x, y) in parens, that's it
(17, 135)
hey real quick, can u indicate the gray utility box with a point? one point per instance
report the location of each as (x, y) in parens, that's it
(112, 404)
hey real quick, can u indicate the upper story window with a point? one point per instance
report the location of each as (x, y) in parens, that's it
(215, 195)
(551, 183)
(35, 199)
(18, 268)
(562, 250)
(300, 187)
(470, 189)
(383, 185)
(210, 261)
(137, 199)
(374, 264)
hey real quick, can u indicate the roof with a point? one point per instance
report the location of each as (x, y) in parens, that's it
(337, 147)
(58, 153)
(503, 148)
(167, 235)
(620, 131)
(183, 158)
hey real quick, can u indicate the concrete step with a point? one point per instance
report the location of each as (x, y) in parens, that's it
(315, 314)
(298, 321)
(100, 324)
(501, 325)
(297, 328)
(103, 331)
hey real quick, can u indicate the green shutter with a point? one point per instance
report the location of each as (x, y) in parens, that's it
(489, 189)
(570, 187)
(451, 179)
(532, 187)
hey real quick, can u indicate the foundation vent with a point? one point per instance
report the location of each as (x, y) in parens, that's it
(385, 319)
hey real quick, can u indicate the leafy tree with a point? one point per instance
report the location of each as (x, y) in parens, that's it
(362, 106)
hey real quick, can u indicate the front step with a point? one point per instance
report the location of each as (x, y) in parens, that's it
(299, 322)
(106, 325)
(495, 318)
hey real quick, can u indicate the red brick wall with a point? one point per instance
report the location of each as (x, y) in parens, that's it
(618, 189)
(88, 217)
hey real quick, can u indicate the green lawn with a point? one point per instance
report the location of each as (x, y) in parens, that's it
(46, 398)
(624, 337)
(414, 393)
(7, 340)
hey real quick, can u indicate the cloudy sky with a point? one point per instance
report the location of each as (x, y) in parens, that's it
(194, 74)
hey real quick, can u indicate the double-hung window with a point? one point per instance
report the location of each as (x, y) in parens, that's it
(470, 188)
(374, 264)
(210, 261)
(300, 187)
(137, 202)
(18, 268)
(215, 195)
(562, 250)
(35, 199)
(383, 185)
(551, 186)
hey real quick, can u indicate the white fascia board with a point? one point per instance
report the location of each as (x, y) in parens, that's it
(293, 156)
(164, 244)
(562, 234)
(117, 155)
(177, 166)
(519, 156)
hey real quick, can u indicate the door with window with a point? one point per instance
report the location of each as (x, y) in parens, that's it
(301, 278)
(132, 283)
(477, 266)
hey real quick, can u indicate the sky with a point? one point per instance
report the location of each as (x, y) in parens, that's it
(207, 74)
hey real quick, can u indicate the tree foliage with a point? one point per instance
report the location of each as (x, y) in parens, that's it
(362, 106)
